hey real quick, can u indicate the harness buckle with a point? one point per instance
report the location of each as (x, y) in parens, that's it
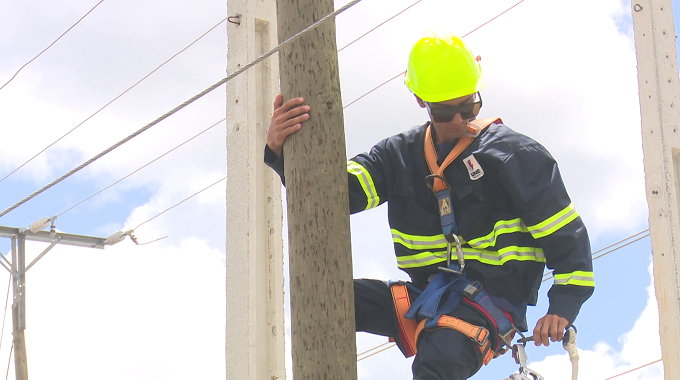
(472, 289)
(472, 130)
(485, 339)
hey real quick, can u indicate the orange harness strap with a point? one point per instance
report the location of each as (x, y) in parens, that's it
(407, 327)
(473, 130)
(478, 334)
(409, 331)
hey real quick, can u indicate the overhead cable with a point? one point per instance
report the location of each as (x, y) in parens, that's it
(55, 41)
(9, 360)
(634, 369)
(551, 273)
(141, 167)
(609, 246)
(379, 25)
(113, 100)
(374, 348)
(183, 105)
(375, 353)
(404, 72)
(102, 190)
(2, 332)
(179, 203)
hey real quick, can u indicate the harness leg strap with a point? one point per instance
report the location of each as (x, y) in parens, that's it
(407, 327)
(477, 334)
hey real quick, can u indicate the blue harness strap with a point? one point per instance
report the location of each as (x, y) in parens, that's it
(451, 288)
(446, 215)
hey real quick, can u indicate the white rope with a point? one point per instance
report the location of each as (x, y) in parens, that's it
(193, 99)
(569, 344)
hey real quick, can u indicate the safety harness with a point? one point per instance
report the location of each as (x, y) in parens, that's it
(449, 287)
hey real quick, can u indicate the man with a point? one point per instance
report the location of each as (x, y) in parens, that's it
(476, 212)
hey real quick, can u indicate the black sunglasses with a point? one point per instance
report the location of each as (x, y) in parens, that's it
(446, 114)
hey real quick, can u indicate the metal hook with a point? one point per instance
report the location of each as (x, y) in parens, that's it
(235, 19)
(637, 7)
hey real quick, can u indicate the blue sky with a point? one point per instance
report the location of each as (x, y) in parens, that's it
(541, 78)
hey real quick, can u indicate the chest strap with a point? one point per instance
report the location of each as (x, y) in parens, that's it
(437, 182)
(474, 128)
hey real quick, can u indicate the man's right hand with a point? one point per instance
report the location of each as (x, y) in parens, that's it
(286, 119)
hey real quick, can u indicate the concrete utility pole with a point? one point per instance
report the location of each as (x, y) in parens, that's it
(18, 268)
(255, 347)
(659, 105)
(322, 292)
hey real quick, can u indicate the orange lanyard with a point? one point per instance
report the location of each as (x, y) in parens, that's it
(473, 130)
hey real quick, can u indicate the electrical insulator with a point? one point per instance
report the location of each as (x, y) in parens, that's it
(39, 225)
(115, 238)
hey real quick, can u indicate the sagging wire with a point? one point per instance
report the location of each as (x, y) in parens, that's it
(120, 235)
(186, 103)
(634, 369)
(377, 352)
(379, 25)
(548, 275)
(112, 100)
(404, 72)
(141, 167)
(55, 41)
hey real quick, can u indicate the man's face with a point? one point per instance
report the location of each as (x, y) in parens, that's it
(453, 129)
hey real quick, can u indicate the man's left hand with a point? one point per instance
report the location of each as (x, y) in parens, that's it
(550, 327)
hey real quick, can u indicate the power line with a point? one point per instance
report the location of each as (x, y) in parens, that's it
(55, 41)
(9, 360)
(111, 185)
(114, 99)
(141, 167)
(617, 248)
(183, 105)
(634, 369)
(404, 72)
(379, 25)
(375, 353)
(551, 275)
(609, 246)
(179, 203)
(375, 348)
(2, 332)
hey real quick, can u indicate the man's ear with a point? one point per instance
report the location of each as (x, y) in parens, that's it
(421, 103)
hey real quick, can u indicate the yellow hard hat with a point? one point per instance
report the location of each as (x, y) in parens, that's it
(441, 67)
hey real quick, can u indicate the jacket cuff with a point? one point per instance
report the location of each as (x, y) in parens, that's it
(565, 305)
(273, 161)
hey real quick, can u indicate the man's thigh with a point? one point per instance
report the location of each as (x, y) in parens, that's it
(374, 308)
(444, 354)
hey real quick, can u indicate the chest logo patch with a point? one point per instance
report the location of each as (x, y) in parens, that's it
(474, 169)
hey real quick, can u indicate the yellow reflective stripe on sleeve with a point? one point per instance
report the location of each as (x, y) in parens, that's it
(579, 278)
(501, 227)
(416, 242)
(554, 223)
(366, 181)
(499, 257)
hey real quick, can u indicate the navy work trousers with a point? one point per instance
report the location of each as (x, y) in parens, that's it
(443, 354)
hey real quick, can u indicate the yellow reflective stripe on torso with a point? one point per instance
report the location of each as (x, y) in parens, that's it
(554, 223)
(366, 181)
(499, 257)
(501, 227)
(579, 278)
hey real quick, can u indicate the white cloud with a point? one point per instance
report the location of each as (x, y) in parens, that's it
(153, 312)
(641, 345)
